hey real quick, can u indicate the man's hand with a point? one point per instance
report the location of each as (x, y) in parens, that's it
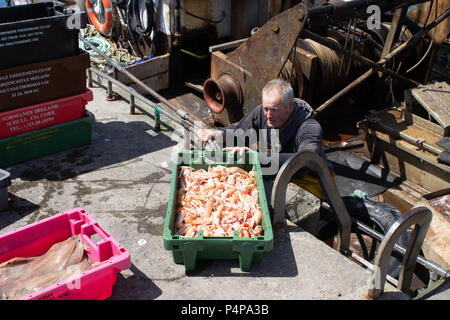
(236, 149)
(206, 134)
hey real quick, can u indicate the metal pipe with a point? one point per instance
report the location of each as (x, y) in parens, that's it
(89, 76)
(109, 91)
(175, 63)
(420, 217)
(430, 265)
(168, 114)
(132, 105)
(346, 9)
(183, 114)
(341, 11)
(370, 267)
(400, 135)
(227, 45)
(177, 18)
(343, 92)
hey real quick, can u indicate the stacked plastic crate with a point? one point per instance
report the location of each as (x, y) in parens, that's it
(43, 92)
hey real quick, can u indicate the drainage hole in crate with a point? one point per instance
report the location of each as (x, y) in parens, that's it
(96, 238)
(176, 247)
(260, 248)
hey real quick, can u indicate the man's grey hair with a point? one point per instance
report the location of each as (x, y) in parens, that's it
(281, 86)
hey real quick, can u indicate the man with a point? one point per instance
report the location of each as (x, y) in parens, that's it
(293, 117)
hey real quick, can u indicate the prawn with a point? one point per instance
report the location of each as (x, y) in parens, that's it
(218, 202)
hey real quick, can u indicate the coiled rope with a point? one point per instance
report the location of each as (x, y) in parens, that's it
(119, 55)
(329, 61)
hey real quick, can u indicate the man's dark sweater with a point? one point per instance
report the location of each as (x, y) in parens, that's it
(301, 133)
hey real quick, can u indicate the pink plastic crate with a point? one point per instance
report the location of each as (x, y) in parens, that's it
(37, 238)
(42, 115)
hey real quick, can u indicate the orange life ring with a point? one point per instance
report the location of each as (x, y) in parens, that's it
(106, 26)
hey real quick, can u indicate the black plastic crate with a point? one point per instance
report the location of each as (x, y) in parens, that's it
(39, 31)
(5, 181)
(43, 81)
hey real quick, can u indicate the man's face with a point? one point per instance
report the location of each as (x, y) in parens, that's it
(276, 113)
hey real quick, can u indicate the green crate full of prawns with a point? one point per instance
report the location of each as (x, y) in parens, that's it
(188, 250)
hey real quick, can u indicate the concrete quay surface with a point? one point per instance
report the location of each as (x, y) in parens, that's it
(122, 179)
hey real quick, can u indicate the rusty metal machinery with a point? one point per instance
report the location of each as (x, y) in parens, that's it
(325, 51)
(419, 217)
(237, 78)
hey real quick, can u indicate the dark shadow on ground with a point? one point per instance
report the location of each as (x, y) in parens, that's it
(279, 262)
(354, 173)
(112, 143)
(135, 287)
(17, 209)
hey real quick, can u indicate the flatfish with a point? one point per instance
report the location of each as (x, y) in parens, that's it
(22, 276)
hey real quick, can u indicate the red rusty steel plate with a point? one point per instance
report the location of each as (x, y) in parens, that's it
(254, 63)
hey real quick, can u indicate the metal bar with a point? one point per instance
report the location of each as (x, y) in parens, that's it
(430, 265)
(187, 139)
(168, 114)
(315, 163)
(109, 91)
(132, 106)
(89, 76)
(420, 217)
(332, 12)
(370, 267)
(362, 243)
(227, 45)
(157, 118)
(399, 135)
(183, 114)
(343, 92)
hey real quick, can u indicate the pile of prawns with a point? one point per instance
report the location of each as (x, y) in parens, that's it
(218, 201)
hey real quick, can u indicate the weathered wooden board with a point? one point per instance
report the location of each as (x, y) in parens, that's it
(153, 72)
(435, 98)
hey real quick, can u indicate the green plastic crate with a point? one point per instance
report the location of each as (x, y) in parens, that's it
(45, 141)
(188, 250)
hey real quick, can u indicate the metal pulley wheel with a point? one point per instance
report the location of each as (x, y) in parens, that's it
(221, 92)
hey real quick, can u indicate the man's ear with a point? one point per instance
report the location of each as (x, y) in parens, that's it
(291, 106)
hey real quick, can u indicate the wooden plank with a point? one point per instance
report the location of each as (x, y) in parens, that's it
(396, 123)
(435, 98)
(195, 106)
(154, 68)
(394, 30)
(157, 82)
(308, 62)
(407, 162)
(425, 124)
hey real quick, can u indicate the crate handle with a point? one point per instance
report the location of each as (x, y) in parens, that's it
(86, 234)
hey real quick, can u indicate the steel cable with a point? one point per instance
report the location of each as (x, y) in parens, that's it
(329, 61)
